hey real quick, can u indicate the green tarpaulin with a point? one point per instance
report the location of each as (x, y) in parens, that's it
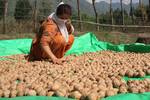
(36, 98)
(129, 96)
(85, 43)
(11, 47)
(82, 44)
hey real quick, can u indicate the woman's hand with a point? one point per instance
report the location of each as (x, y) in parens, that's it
(68, 22)
(58, 61)
(69, 26)
(51, 56)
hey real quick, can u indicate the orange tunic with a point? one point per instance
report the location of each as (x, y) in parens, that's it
(49, 35)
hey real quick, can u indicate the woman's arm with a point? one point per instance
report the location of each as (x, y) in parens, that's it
(46, 38)
(51, 56)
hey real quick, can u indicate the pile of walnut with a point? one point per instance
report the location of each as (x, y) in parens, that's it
(89, 76)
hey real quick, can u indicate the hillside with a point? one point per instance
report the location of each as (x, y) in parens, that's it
(86, 7)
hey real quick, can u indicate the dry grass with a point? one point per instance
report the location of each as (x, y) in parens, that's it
(16, 36)
(114, 37)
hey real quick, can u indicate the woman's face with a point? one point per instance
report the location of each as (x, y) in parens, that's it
(64, 17)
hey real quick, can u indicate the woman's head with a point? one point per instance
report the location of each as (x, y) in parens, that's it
(64, 11)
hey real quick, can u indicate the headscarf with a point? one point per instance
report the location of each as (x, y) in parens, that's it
(61, 24)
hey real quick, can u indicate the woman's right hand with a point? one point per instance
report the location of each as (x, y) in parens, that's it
(57, 61)
(52, 57)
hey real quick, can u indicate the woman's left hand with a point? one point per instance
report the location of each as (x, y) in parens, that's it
(68, 23)
(69, 26)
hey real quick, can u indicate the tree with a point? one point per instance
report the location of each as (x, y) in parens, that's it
(22, 10)
(137, 12)
(111, 12)
(140, 3)
(148, 13)
(105, 18)
(1, 8)
(116, 15)
(141, 9)
(96, 14)
(149, 4)
(131, 12)
(79, 15)
(46, 7)
(4, 15)
(122, 12)
(141, 14)
(35, 16)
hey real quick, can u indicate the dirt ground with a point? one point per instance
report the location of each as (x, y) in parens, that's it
(113, 37)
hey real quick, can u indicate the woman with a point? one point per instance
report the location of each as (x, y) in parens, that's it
(55, 36)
